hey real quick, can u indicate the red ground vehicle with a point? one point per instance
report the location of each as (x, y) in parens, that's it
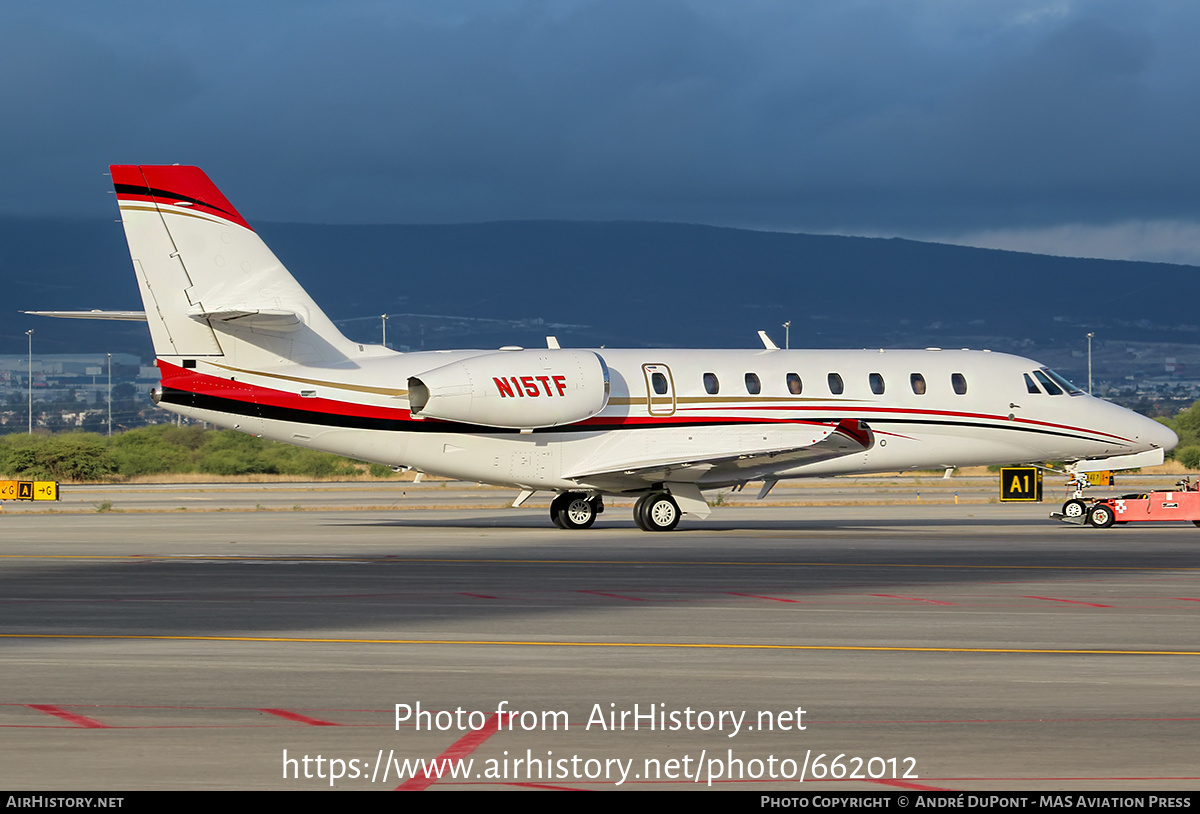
(1183, 504)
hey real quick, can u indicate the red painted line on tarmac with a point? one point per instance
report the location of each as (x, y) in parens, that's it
(615, 596)
(913, 599)
(1187, 599)
(1068, 601)
(903, 785)
(479, 596)
(756, 596)
(194, 707)
(297, 717)
(170, 726)
(545, 786)
(458, 750)
(79, 720)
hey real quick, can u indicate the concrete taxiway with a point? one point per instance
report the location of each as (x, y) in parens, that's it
(953, 647)
(433, 494)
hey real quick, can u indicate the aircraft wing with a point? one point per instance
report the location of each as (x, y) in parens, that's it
(686, 454)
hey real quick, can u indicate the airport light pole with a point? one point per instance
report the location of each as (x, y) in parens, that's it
(29, 333)
(787, 335)
(109, 394)
(1090, 335)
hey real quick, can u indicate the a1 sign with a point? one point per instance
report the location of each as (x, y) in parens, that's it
(1021, 484)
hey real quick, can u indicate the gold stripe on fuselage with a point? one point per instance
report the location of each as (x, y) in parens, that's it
(358, 388)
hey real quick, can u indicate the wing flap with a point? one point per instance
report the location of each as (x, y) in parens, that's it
(686, 454)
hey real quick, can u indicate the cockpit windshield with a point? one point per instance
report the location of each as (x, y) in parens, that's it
(1062, 382)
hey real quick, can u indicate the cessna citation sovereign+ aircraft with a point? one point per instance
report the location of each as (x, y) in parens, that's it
(240, 344)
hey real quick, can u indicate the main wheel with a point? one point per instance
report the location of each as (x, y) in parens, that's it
(556, 506)
(1074, 508)
(660, 512)
(576, 511)
(1101, 516)
(639, 512)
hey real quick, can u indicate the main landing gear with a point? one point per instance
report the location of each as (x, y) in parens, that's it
(654, 511)
(575, 510)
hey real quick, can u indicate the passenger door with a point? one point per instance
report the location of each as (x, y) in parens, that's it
(660, 389)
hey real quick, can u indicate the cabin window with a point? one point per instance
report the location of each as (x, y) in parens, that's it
(876, 383)
(753, 385)
(917, 382)
(835, 384)
(959, 382)
(1051, 388)
(795, 386)
(1030, 386)
(659, 382)
(711, 385)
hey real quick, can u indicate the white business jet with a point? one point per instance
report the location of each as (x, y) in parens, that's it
(240, 344)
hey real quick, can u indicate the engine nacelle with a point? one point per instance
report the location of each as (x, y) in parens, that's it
(523, 389)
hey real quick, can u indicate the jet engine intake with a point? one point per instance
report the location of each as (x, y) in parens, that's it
(524, 390)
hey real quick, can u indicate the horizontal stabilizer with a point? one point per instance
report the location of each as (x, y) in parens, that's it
(129, 316)
(266, 319)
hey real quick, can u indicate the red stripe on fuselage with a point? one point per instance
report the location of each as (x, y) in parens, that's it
(858, 409)
(179, 378)
(852, 428)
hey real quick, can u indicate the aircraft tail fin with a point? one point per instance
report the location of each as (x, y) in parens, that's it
(210, 285)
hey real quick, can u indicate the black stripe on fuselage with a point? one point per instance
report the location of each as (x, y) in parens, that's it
(219, 404)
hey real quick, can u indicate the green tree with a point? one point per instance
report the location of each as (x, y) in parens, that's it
(72, 456)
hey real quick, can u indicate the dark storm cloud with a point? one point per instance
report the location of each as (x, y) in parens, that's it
(861, 116)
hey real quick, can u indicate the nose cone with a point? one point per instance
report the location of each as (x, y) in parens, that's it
(1145, 433)
(1158, 435)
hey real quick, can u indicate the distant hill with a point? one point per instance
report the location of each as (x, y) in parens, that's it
(628, 284)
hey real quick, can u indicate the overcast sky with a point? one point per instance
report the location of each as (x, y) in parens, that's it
(1048, 125)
